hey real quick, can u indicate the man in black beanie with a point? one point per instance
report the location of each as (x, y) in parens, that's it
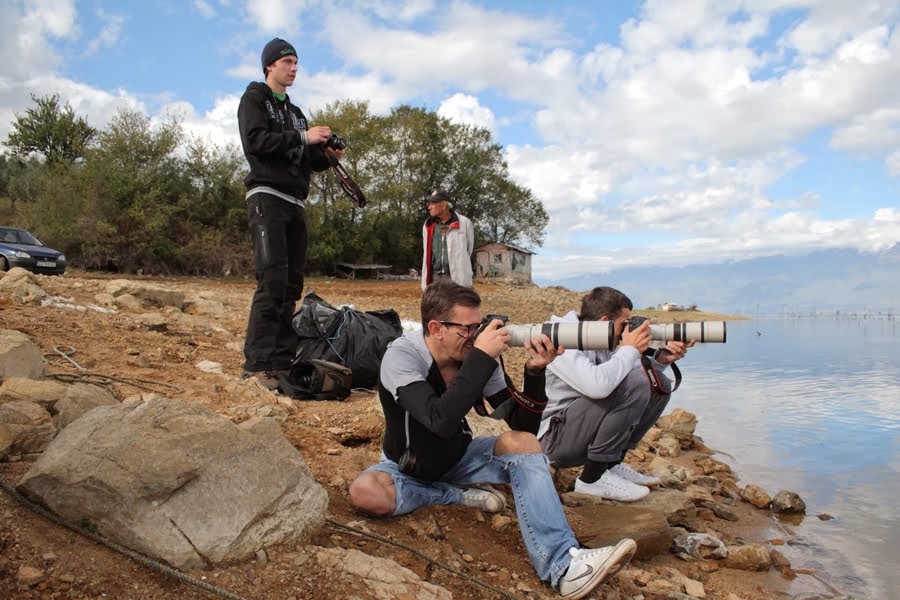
(283, 152)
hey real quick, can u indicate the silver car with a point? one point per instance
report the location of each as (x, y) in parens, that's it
(18, 248)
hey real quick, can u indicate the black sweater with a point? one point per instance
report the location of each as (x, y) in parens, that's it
(411, 384)
(273, 135)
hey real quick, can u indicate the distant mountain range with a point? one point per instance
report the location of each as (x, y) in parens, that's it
(828, 280)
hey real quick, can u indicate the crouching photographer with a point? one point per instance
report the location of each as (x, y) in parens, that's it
(429, 381)
(602, 402)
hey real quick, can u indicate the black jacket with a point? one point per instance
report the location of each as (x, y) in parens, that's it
(274, 139)
(416, 400)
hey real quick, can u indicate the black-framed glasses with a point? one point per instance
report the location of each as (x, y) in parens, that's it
(471, 329)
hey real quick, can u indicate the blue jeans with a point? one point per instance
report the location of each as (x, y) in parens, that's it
(545, 531)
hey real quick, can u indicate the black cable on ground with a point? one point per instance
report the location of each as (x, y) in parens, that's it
(422, 555)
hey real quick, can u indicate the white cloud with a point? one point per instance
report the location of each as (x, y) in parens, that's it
(218, 125)
(55, 17)
(893, 164)
(463, 108)
(279, 16)
(392, 10)
(109, 34)
(205, 8)
(874, 132)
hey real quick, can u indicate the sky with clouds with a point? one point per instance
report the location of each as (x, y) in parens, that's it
(655, 133)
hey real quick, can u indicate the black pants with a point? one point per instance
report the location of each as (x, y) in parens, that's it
(280, 239)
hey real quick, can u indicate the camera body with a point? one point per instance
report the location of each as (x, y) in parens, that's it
(487, 321)
(336, 142)
(635, 321)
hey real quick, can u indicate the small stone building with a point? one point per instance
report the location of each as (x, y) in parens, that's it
(503, 261)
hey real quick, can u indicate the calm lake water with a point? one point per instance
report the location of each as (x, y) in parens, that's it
(812, 405)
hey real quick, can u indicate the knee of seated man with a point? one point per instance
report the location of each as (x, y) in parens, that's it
(517, 442)
(369, 493)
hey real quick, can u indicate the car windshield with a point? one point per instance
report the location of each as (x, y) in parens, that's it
(18, 236)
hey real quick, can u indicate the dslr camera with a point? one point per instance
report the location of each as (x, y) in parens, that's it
(336, 142)
(635, 321)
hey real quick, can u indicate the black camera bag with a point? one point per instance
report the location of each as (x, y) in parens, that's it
(316, 379)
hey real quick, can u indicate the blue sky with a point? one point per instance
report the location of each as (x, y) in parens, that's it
(655, 133)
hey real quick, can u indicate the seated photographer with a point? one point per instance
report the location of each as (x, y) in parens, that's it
(601, 403)
(429, 381)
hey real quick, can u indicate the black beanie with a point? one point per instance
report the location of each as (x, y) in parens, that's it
(275, 50)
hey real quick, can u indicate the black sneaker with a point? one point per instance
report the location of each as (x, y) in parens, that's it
(268, 378)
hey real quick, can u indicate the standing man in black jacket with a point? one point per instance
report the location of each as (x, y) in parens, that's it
(283, 153)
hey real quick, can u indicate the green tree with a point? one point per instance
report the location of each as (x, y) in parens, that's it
(50, 130)
(22, 180)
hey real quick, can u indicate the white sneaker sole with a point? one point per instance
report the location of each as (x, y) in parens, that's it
(611, 495)
(621, 556)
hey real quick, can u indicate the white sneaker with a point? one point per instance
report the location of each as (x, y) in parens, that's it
(628, 474)
(485, 498)
(590, 567)
(612, 487)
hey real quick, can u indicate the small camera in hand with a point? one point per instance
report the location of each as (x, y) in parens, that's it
(336, 142)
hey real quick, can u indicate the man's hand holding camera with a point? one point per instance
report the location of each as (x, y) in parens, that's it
(673, 351)
(493, 339)
(541, 353)
(321, 134)
(638, 338)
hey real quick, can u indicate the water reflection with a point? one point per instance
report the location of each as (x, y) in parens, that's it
(811, 405)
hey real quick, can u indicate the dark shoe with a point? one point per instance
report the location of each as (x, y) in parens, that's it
(268, 379)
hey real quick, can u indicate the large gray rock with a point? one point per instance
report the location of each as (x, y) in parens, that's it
(79, 399)
(25, 428)
(19, 356)
(177, 482)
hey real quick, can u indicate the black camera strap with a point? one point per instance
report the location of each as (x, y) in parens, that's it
(523, 399)
(347, 184)
(654, 378)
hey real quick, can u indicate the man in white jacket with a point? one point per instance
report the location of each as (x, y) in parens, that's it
(600, 403)
(448, 239)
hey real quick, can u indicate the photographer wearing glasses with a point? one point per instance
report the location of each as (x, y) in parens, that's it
(429, 381)
(601, 402)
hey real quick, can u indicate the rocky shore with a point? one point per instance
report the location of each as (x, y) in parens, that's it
(121, 411)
